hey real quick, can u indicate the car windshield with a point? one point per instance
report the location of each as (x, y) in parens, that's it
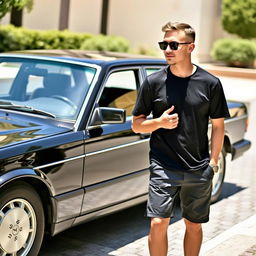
(44, 87)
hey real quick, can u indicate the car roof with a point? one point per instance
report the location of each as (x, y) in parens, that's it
(94, 57)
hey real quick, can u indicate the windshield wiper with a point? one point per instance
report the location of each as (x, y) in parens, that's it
(10, 105)
(3, 102)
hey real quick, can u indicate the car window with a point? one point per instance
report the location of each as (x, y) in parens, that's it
(151, 70)
(53, 87)
(8, 71)
(120, 91)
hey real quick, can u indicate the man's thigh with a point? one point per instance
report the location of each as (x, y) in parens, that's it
(164, 187)
(195, 198)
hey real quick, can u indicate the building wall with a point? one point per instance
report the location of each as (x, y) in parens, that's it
(85, 16)
(140, 21)
(44, 15)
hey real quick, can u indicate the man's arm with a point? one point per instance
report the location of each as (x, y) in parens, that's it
(140, 124)
(217, 138)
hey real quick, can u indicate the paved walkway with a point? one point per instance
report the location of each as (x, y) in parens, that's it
(238, 240)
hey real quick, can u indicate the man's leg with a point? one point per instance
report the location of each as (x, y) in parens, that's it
(157, 239)
(193, 238)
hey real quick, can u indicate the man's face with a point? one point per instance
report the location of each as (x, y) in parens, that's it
(183, 52)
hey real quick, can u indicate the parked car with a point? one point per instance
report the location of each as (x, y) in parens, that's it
(67, 151)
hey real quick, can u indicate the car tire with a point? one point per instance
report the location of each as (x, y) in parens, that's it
(21, 221)
(218, 178)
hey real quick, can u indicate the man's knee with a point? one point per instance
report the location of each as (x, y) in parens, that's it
(159, 224)
(192, 226)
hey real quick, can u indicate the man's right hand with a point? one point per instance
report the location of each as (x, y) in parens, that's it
(140, 124)
(168, 120)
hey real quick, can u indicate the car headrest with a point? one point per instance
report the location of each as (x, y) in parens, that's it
(55, 81)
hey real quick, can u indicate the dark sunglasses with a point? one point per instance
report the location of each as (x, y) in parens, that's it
(173, 45)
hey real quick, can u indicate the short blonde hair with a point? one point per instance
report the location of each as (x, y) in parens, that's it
(189, 31)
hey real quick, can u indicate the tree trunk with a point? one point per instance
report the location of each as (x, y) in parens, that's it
(16, 17)
(64, 14)
(104, 17)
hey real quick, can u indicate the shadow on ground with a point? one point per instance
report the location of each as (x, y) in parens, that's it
(229, 189)
(103, 235)
(111, 232)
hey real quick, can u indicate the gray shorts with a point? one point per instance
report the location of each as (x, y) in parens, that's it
(194, 189)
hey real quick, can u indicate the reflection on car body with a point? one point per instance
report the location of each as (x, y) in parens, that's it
(67, 151)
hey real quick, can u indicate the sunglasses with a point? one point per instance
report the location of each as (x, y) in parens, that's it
(173, 45)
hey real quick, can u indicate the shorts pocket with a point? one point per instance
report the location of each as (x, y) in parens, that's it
(208, 173)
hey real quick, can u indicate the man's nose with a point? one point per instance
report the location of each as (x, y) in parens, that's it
(168, 48)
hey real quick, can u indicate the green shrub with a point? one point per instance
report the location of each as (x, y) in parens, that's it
(106, 43)
(13, 38)
(235, 52)
(239, 17)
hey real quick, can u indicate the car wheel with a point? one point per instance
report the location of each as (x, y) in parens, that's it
(21, 221)
(218, 178)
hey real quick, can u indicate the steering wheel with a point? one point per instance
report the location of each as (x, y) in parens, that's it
(66, 100)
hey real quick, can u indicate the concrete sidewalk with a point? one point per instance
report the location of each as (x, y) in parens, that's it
(240, 240)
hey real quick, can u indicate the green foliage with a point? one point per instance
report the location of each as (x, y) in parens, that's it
(13, 38)
(143, 50)
(238, 52)
(106, 43)
(239, 17)
(7, 5)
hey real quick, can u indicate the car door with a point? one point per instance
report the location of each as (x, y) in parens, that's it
(116, 161)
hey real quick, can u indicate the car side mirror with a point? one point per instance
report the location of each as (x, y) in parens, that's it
(105, 115)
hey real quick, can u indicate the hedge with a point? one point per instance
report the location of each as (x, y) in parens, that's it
(235, 52)
(239, 17)
(13, 38)
(106, 43)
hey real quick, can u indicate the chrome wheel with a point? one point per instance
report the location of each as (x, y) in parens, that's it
(218, 177)
(18, 227)
(21, 221)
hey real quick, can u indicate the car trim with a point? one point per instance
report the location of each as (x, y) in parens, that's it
(24, 56)
(90, 154)
(116, 147)
(58, 162)
(87, 98)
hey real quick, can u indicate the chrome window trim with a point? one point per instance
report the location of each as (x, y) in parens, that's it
(53, 59)
(86, 100)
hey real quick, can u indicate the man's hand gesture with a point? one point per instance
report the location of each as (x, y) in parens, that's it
(168, 120)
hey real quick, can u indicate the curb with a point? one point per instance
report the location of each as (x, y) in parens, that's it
(234, 241)
(248, 73)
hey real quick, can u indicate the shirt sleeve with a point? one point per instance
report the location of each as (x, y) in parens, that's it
(218, 103)
(143, 104)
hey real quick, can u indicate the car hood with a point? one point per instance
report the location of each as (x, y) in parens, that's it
(14, 131)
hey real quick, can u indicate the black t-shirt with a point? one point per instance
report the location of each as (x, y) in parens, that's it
(195, 98)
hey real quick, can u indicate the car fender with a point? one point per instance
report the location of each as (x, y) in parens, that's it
(22, 173)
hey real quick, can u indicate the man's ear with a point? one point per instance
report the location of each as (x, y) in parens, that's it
(191, 47)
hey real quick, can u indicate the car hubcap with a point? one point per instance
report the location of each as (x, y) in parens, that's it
(17, 227)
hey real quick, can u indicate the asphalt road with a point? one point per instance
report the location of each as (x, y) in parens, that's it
(125, 233)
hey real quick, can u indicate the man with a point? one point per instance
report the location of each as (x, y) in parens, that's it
(182, 98)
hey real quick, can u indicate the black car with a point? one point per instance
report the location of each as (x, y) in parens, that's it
(67, 151)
